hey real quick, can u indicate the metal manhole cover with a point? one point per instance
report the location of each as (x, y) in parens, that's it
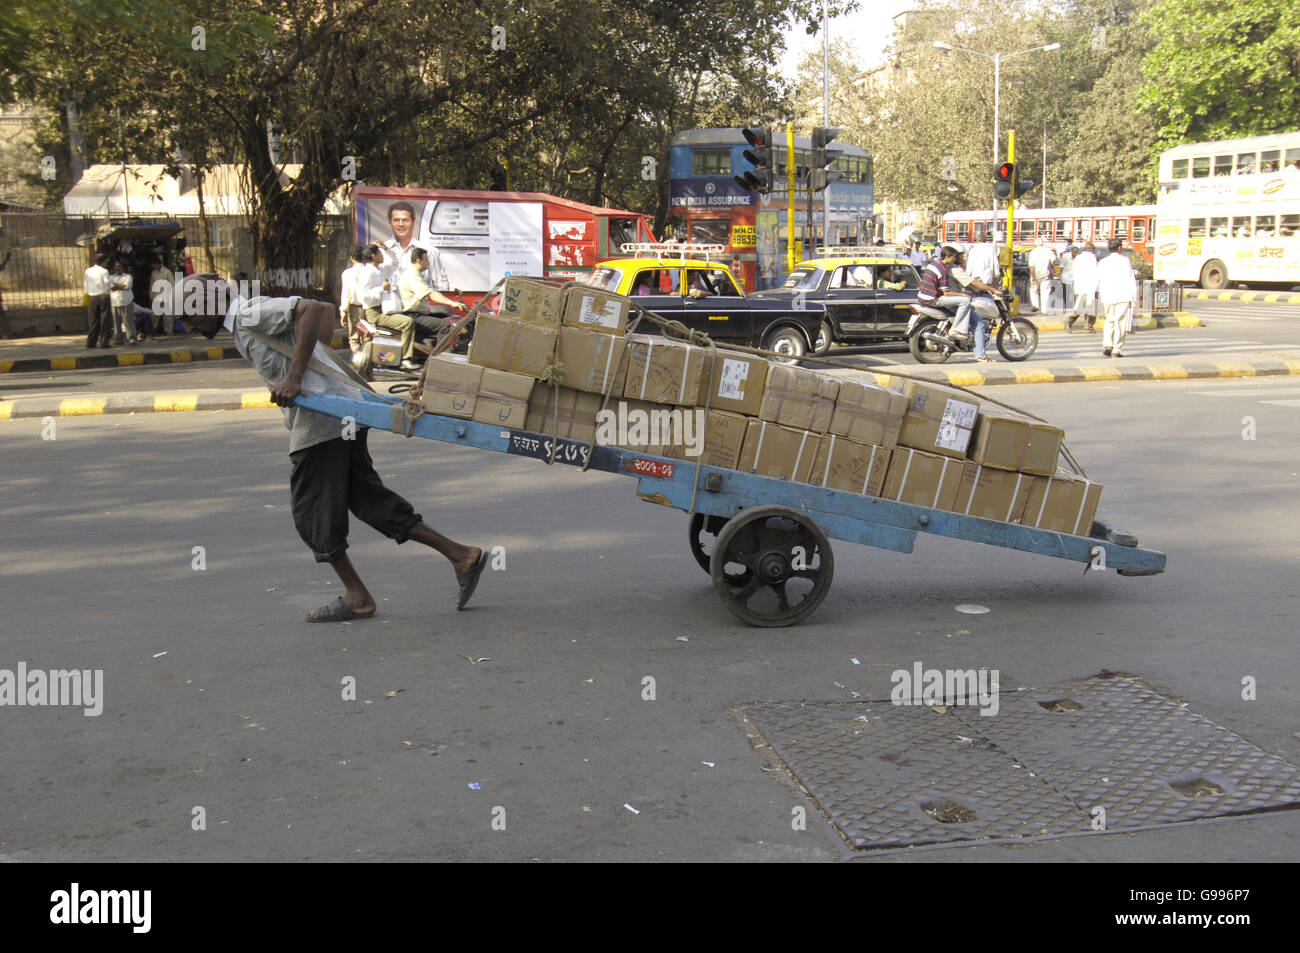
(1099, 754)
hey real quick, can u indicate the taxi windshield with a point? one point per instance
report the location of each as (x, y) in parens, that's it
(803, 279)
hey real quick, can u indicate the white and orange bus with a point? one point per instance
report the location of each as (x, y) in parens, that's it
(1135, 224)
(1229, 212)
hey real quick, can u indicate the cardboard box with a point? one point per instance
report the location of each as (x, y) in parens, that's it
(868, 413)
(1011, 442)
(798, 398)
(594, 363)
(503, 399)
(844, 464)
(562, 411)
(924, 479)
(634, 425)
(724, 437)
(532, 301)
(510, 345)
(1063, 503)
(937, 420)
(772, 450)
(451, 386)
(665, 371)
(596, 310)
(993, 494)
(736, 383)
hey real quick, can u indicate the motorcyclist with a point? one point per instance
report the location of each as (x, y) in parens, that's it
(940, 289)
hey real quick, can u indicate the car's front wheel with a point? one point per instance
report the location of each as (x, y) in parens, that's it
(788, 342)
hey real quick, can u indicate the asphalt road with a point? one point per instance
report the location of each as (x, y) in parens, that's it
(217, 695)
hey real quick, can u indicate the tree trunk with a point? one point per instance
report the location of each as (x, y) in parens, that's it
(204, 225)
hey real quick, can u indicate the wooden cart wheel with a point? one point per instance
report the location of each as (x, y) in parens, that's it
(772, 566)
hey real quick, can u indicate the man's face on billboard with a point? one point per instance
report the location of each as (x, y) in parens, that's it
(402, 223)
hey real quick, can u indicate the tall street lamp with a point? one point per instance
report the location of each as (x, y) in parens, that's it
(997, 59)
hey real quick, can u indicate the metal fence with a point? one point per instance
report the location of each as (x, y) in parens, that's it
(1161, 297)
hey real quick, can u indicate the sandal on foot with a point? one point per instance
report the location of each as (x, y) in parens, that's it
(468, 580)
(337, 611)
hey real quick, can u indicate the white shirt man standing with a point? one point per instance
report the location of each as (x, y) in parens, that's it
(1085, 288)
(122, 296)
(1040, 274)
(97, 287)
(982, 261)
(1117, 292)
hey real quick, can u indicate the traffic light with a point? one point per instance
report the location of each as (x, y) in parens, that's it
(1004, 178)
(820, 174)
(763, 177)
(1023, 186)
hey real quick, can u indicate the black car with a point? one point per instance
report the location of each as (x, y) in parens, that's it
(703, 296)
(866, 299)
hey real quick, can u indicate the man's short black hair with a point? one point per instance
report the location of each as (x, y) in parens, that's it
(371, 250)
(1115, 244)
(406, 207)
(359, 253)
(417, 253)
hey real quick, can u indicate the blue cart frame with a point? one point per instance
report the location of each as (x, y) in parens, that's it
(769, 523)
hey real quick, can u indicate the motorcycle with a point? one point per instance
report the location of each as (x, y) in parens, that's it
(930, 339)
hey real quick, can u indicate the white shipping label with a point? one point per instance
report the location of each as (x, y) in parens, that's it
(956, 424)
(734, 374)
(606, 318)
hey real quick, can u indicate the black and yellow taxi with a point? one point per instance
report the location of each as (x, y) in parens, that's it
(866, 295)
(683, 283)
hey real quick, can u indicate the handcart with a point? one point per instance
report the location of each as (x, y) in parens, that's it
(765, 542)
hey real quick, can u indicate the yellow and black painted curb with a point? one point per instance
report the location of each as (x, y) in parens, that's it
(1268, 297)
(134, 404)
(123, 357)
(1108, 371)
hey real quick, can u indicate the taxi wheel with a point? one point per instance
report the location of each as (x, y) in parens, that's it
(825, 338)
(787, 342)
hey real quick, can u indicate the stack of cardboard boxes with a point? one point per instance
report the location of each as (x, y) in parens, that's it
(548, 359)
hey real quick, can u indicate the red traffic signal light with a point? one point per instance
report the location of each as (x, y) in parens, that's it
(763, 177)
(1004, 180)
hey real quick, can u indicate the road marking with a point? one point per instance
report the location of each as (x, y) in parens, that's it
(1246, 391)
(1282, 403)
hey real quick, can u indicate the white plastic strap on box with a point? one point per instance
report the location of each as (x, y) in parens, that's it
(902, 484)
(1014, 496)
(1083, 504)
(870, 464)
(831, 453)
(645, 375)
(758, 451)
(686, 367)
(939, 489)
(799, 457)
(1047, 491)
(979, 468)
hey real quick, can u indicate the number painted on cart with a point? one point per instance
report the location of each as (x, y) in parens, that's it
(653, 468)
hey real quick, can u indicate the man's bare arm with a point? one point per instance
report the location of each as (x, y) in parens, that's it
(312, 321)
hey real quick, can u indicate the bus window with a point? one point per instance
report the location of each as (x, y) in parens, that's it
(1241, 227)
(1061, 226)
(1265, 226)
(1290, 226)
(1196, 228)
(1270, 161)
(1292, 161)
(1201, 167)
(950, 231)
(988, 228)
(1121, 227)
(1245, 163)
(1024, 230)
(1139, 229)
(1222, 165)
(1100, 228)
(977, 231)
(963, 231)
(1179, 169)
(1082, 232)
(711, 162)
(1219, 228)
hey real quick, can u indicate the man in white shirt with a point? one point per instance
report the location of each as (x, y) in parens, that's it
(1067, 276)
(349, 302)
(122, 297)
(99, 313)
(1117, 292)
(397, 250)
(1040, 274)
(160, 289)
(982, 260)
(332, 472)
(1085, 288)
